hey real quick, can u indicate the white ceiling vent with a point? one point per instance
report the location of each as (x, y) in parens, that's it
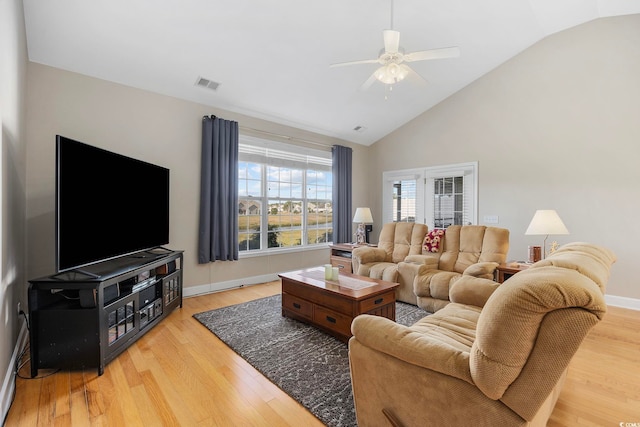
(360, 129)
(206, 83)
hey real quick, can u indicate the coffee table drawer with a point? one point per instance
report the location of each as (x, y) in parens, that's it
(377, 301)
(331, 320)
(297, 305)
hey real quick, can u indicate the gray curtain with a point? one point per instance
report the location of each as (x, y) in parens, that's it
(218, 232)
(341, 170)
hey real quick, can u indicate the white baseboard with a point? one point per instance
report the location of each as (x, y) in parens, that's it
(221, 286)
(624, 302)
(9, 383)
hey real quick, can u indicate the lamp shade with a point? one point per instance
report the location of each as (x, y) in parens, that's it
(545, 222)
(363, 215)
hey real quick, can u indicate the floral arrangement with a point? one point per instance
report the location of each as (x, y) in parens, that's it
(432, 240)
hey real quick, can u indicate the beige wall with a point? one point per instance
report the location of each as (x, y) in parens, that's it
(151, 127)
(13, 69)
(556, 127)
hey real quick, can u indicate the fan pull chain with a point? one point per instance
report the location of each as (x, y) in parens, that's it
(387, 90)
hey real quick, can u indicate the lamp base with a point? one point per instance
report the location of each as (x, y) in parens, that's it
(552, 249)
(368, 228)
(361, 235)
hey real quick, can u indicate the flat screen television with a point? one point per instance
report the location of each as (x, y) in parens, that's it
(107, 205)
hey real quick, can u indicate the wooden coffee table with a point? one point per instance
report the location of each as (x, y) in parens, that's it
(332, 305)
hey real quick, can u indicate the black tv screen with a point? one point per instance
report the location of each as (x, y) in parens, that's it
(107, 205)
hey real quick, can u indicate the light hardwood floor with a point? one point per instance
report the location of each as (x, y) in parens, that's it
(179, 374)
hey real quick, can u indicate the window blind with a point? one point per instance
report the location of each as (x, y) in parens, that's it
(289, 156)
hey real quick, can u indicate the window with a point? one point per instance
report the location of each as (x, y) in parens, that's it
(437, 196)
(403, 195)
(448, 194)
(284, 196)
(404, 200)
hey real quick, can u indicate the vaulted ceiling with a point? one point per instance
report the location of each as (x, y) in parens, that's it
(271, 59)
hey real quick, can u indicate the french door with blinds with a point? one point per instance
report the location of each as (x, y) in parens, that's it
(438, 196)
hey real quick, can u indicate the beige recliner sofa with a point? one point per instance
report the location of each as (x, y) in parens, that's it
(397, 241)
(470, 250)
(492, 357)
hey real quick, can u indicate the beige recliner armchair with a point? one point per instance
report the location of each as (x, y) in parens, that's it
(470, 250)
(397, 241)
(498, 365)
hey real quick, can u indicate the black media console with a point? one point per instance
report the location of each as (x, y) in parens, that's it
(86, 317)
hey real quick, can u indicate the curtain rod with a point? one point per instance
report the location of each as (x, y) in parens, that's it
(288, 138)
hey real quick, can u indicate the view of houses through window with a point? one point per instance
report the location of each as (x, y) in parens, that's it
(284, 199)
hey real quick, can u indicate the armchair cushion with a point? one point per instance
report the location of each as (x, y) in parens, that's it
(481, 269)
(578, 256)
(429, 260)
(400, 239)
(469, 246)
(440, 343)
(387, 271)
(472, 290)
(440, 283)
(368, 254)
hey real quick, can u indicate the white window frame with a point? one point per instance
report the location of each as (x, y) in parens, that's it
(424, 190)
(296, 153)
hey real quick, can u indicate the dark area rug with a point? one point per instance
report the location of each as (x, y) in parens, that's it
(309, 365)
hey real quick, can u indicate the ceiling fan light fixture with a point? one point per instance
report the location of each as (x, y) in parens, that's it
(393, 60)
(391, 73)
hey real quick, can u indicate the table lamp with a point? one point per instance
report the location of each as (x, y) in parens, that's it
(362, 216)
(546, 222)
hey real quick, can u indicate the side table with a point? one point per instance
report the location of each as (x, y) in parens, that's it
(504, 271)
(341, 256)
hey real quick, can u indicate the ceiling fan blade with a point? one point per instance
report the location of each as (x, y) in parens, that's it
(366, 85)
(364, 61)
(413, 76)
(445, 52)
(391, 41)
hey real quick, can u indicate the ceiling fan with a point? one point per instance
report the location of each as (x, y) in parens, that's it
(393, 59)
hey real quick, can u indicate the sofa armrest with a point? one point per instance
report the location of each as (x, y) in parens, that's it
(481, 269)
(403, 343)
(429, 260)
(367, 254)
(471, 290)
